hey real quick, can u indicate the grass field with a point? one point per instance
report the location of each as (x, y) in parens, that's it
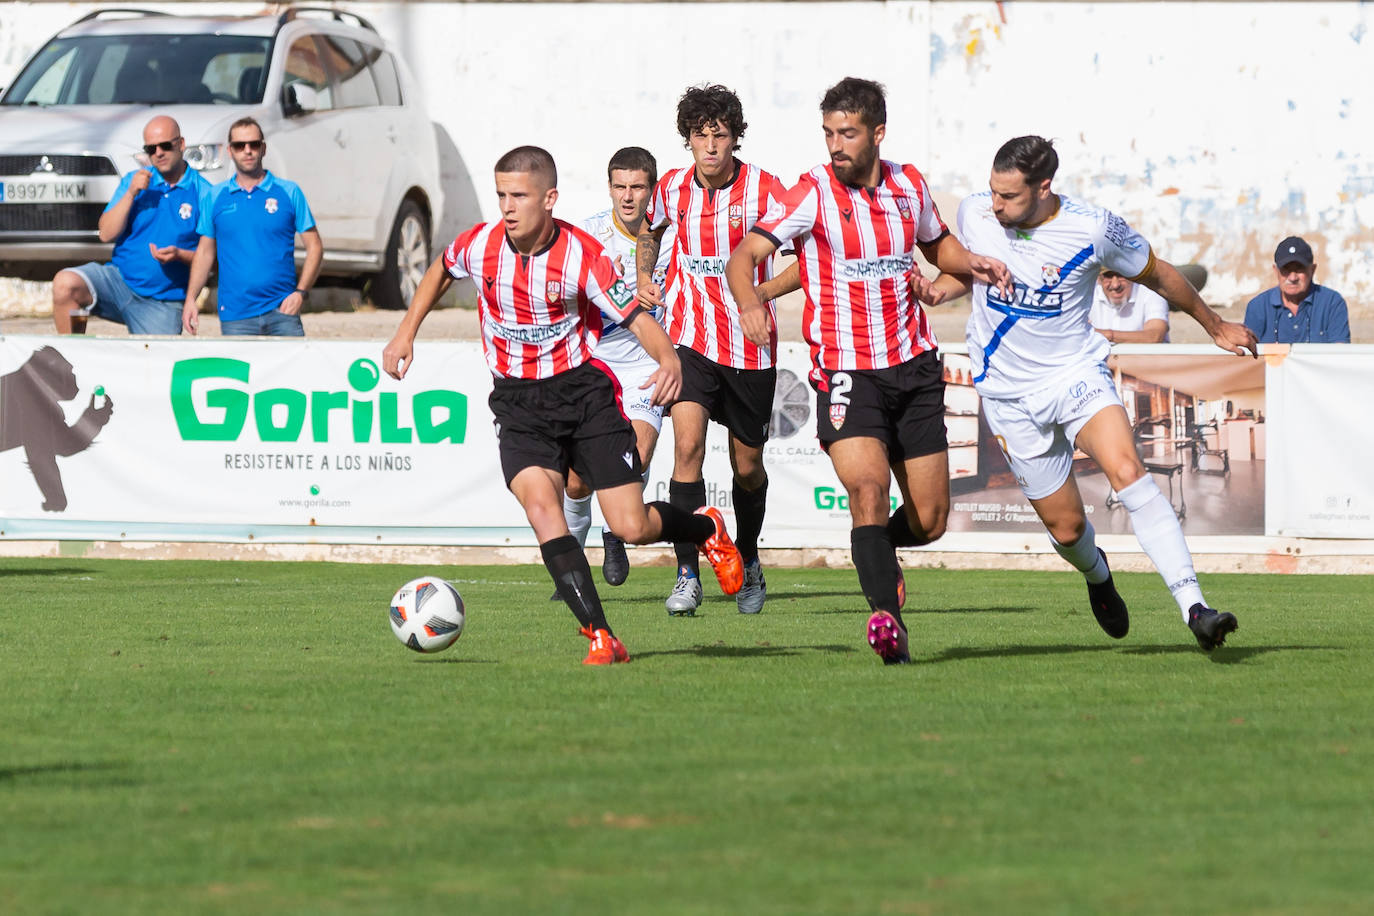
(220, 737)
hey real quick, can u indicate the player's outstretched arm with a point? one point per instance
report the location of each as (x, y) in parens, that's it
(398, 355)
(1165, 279)
(739, 275)
(951, 257)
(667, 378)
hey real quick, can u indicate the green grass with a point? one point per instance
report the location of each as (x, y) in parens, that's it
(201, 737)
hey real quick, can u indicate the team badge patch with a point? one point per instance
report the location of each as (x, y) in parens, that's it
(554, 291)
(1050, 274)
(837, 412)
(271, 205)
(736, 215)
(904, 206)
(184, 211)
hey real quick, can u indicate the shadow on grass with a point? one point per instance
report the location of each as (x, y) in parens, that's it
(966, 653)
(47, 571)
(454, 660)
(937, 610)
(1224, 655)
(40, 771)
(764, 651)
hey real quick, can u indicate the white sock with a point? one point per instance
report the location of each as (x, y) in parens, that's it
(1083, 556)
(1157, 529)
(578, 512)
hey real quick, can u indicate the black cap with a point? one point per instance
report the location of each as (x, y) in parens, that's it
(1293, 250)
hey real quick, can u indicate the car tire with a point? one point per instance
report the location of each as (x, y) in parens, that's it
(406, 259)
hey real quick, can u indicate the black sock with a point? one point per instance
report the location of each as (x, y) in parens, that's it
(749, 509)
(567, 564)
(688, 496)
(899, 530)
(876, 563)
(683, 527)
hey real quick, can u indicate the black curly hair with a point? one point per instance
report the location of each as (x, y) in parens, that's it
(702, 105)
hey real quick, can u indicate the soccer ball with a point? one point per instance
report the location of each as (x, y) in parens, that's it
(427, 614)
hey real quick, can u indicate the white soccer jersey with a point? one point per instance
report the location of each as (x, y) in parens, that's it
(1142, 304)
(1019, 344)
(618, 344)
(856, 247)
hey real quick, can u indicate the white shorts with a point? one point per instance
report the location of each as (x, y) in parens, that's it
(1037, 431)
(637, 402)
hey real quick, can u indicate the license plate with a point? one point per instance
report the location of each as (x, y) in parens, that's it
(43, 192)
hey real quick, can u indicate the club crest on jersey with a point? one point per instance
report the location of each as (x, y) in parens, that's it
(184, 211)
(904, 206)
(271, 205)
(837, 412)
(1050, 275)
(554, 290)
(736, 215)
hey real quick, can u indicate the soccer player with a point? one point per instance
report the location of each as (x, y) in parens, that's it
(725, 378)
(857, 222)
(543, 285)
(1040, 368)
(630, 176)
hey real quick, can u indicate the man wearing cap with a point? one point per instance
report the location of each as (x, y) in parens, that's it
(152, 221)
(1297, 310)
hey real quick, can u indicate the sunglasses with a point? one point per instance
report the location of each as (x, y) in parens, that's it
(239, 146)
(166, 146)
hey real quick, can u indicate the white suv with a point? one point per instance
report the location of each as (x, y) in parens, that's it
(342, 115)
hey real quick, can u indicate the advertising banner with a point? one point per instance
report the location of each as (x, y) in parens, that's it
(309, 442)
(1322, 444)
(232, 439)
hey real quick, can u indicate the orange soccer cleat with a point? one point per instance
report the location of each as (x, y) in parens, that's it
(722, 553)
(605, 648)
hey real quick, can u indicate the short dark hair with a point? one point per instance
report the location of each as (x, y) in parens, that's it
(633, 159)
(246, 122)
(702, 105)
(533, 159)
(1032, 156)
(852, 95)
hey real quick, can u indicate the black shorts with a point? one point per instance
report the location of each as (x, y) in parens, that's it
(741, 400)
(902, 406)
(573, 420)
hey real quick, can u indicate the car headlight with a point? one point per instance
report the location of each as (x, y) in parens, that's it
(204, 156)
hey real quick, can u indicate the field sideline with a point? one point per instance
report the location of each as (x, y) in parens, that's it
(234, 737)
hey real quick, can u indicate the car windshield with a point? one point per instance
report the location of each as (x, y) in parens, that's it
(145, 69)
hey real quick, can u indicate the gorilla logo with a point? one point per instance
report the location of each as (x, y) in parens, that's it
(31, 417)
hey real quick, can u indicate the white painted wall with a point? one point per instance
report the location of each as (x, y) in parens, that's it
(1217, 128)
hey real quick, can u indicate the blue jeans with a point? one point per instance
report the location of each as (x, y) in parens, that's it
(269, 324)
(115, 301)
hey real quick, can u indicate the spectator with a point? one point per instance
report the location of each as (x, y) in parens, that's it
(249, 227)
(1126, 312)
(1297, 310)
(152, 221)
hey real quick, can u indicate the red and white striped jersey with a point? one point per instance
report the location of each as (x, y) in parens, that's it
(540, 313)
(709, 223)
(856, 250)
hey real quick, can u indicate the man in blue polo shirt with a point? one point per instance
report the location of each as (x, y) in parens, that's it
(152, 221)
(1297, 310)
(250, 225)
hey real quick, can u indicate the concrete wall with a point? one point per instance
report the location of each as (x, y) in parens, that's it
(1217, 128)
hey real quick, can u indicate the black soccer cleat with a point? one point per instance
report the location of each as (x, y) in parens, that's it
(1107, 605)
(615, 565)
(1209, 626)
